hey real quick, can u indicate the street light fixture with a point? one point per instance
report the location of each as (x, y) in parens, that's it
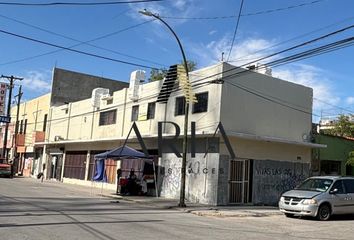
(185, 136)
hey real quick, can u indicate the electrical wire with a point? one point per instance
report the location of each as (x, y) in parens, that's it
(76, 51)
(323, 49)
(235, 32)
(292, 39)
(80, 42)
(338, 107)
(283, 51)
(246, 14)
(75, 3)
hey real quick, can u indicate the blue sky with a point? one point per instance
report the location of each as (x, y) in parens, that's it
(330, 75)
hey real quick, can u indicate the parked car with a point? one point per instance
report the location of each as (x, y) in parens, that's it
(320, 197)
(5, 170)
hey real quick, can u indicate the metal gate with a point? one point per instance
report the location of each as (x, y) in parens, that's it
(239, 183)
(75, 164)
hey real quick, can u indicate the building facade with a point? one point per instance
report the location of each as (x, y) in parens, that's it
(267, 122)
(332, 160)
(26, 148)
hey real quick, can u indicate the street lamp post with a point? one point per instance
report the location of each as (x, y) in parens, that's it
(186, 111)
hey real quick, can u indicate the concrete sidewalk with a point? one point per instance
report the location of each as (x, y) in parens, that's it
(200, 209)
(164, 203)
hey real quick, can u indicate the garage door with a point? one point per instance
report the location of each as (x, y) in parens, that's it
(75, 165)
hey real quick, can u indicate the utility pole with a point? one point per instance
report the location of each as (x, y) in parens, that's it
(19, 95)
(8, 113)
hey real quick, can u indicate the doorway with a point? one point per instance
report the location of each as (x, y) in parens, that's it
(240, 186)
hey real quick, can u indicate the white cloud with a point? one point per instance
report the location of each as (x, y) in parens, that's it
(350, 100)
(243, 52)
(180, 8)
(38, 82)
(180, 4)
(212, 32)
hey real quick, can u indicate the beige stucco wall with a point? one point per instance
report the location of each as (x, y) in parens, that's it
(244, 112)
(34, 111)
(262, 150)
(81, 122)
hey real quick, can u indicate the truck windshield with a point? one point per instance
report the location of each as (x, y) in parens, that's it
(315, 184)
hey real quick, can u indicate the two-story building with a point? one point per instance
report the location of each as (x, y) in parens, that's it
(267, 122)
(26, 147)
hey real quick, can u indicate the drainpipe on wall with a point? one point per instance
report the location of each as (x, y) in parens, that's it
(67, 129)
(124, 110)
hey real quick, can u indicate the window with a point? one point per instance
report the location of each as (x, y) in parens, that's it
(109, 101)
(349, 185)
(151, 111)
(25, 127)
(45, 122)
(180, 106)
(108, 117)
(135, 113)
(202, 104)
(339, 186)
(21, 127)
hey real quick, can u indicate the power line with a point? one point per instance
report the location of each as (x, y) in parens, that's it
(246, 14)
(80, 42)
(282, 9)
(74, 50)
(236, 27)
(338, 107)
(75, 3)
(323, 49)
(292, 39)
(283, 51)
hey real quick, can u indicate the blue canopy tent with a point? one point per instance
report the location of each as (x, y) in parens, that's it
(123, 152)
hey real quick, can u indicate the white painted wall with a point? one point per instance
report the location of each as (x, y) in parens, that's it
(244, 112)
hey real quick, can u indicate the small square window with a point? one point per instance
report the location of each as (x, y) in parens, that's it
(202, 104)
(135, 113)
(180, 106)
(151, 110)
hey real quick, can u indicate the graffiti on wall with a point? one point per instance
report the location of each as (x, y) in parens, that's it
(271, 178)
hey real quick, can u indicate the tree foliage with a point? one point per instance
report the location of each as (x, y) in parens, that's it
(350, 160)
(343, 127)
(159, 74)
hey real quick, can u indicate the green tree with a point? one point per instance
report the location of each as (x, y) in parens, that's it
(159, 74)
(350, 160)
(344, 127)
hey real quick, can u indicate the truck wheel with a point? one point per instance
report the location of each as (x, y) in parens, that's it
(324, 212)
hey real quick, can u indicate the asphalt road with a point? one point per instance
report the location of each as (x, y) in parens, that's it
(33, 210)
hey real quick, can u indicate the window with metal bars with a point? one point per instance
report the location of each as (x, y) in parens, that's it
(151, 110)
(135, 113)
(108, 117)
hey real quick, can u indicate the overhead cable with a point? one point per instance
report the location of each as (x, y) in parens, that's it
(79, 41)
(246, 14)
(236, 27)
(76, 51)
(75, 3)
